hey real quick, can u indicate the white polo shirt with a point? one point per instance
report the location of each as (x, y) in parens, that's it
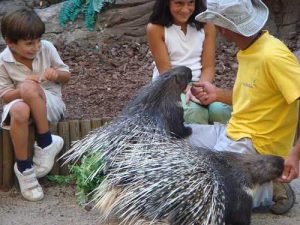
(13, 73)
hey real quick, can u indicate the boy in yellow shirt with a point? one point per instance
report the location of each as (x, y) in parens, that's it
(264, 98)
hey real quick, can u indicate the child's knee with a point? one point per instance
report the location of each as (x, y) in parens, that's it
(20, 112)
(193, 112)
(29, 90)
(195, 116)
(219, 112)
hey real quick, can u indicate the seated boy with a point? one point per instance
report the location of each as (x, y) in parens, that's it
(31, 75)
(265, 97)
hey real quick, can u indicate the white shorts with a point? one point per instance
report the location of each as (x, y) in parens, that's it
(55, 109)
(214, 137)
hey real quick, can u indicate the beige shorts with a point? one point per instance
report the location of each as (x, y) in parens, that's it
(55, 109)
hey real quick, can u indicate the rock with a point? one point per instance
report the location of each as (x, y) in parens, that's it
(9, 5)
(126, 20)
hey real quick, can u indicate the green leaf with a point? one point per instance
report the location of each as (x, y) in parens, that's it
(62, 180)
(90, 8)
(81, 173)
(90, 16)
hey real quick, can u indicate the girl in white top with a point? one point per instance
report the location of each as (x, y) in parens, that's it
(176, 39)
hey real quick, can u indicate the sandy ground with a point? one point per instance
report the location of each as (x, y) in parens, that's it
(59, 207)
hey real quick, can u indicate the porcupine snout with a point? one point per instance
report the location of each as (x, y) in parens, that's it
(183, 75)
(269, 169)
(275, 165)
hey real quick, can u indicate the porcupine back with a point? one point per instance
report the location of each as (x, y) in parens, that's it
(171, 184)
(178, 184)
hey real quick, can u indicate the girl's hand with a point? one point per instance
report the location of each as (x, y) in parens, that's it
(189, 96)
(50, 74)
(205, 92)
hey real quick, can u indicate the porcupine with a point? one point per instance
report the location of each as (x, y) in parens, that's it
(152, 177)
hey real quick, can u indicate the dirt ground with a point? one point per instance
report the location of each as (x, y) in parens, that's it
(59, 207)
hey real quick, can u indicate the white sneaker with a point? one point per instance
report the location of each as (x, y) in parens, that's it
(43, 159)
(29, 185)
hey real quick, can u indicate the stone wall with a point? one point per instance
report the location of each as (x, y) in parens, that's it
(126, 19)
(284, 20)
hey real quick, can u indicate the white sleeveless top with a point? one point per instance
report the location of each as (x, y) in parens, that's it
(184, 49)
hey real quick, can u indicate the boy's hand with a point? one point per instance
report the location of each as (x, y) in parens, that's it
(291, 168)
(33, 78)
(205, 92)
(50, 74)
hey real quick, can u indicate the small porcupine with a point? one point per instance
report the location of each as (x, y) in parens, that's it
(153, 177)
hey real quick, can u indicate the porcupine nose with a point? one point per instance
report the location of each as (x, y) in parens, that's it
(278, 163)
(274, 166)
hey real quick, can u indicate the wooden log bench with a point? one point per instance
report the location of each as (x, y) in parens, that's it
(69, 130)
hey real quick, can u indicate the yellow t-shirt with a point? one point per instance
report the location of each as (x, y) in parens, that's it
(265, 106)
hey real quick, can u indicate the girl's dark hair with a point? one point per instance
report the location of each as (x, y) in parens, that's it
(22, 24)
(161, 13)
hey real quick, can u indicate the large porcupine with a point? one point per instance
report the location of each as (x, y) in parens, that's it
(154, 176)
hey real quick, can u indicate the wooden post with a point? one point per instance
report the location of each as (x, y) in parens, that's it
(96, 123)
(74, 127)
(55, 169)
(1, 158)
(106, 120)
(63, 131)
(8, 160)
(85, 127)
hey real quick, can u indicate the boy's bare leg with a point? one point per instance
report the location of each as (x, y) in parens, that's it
(34, 96)
(48, 146)
(20, 114)
(30, 188)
